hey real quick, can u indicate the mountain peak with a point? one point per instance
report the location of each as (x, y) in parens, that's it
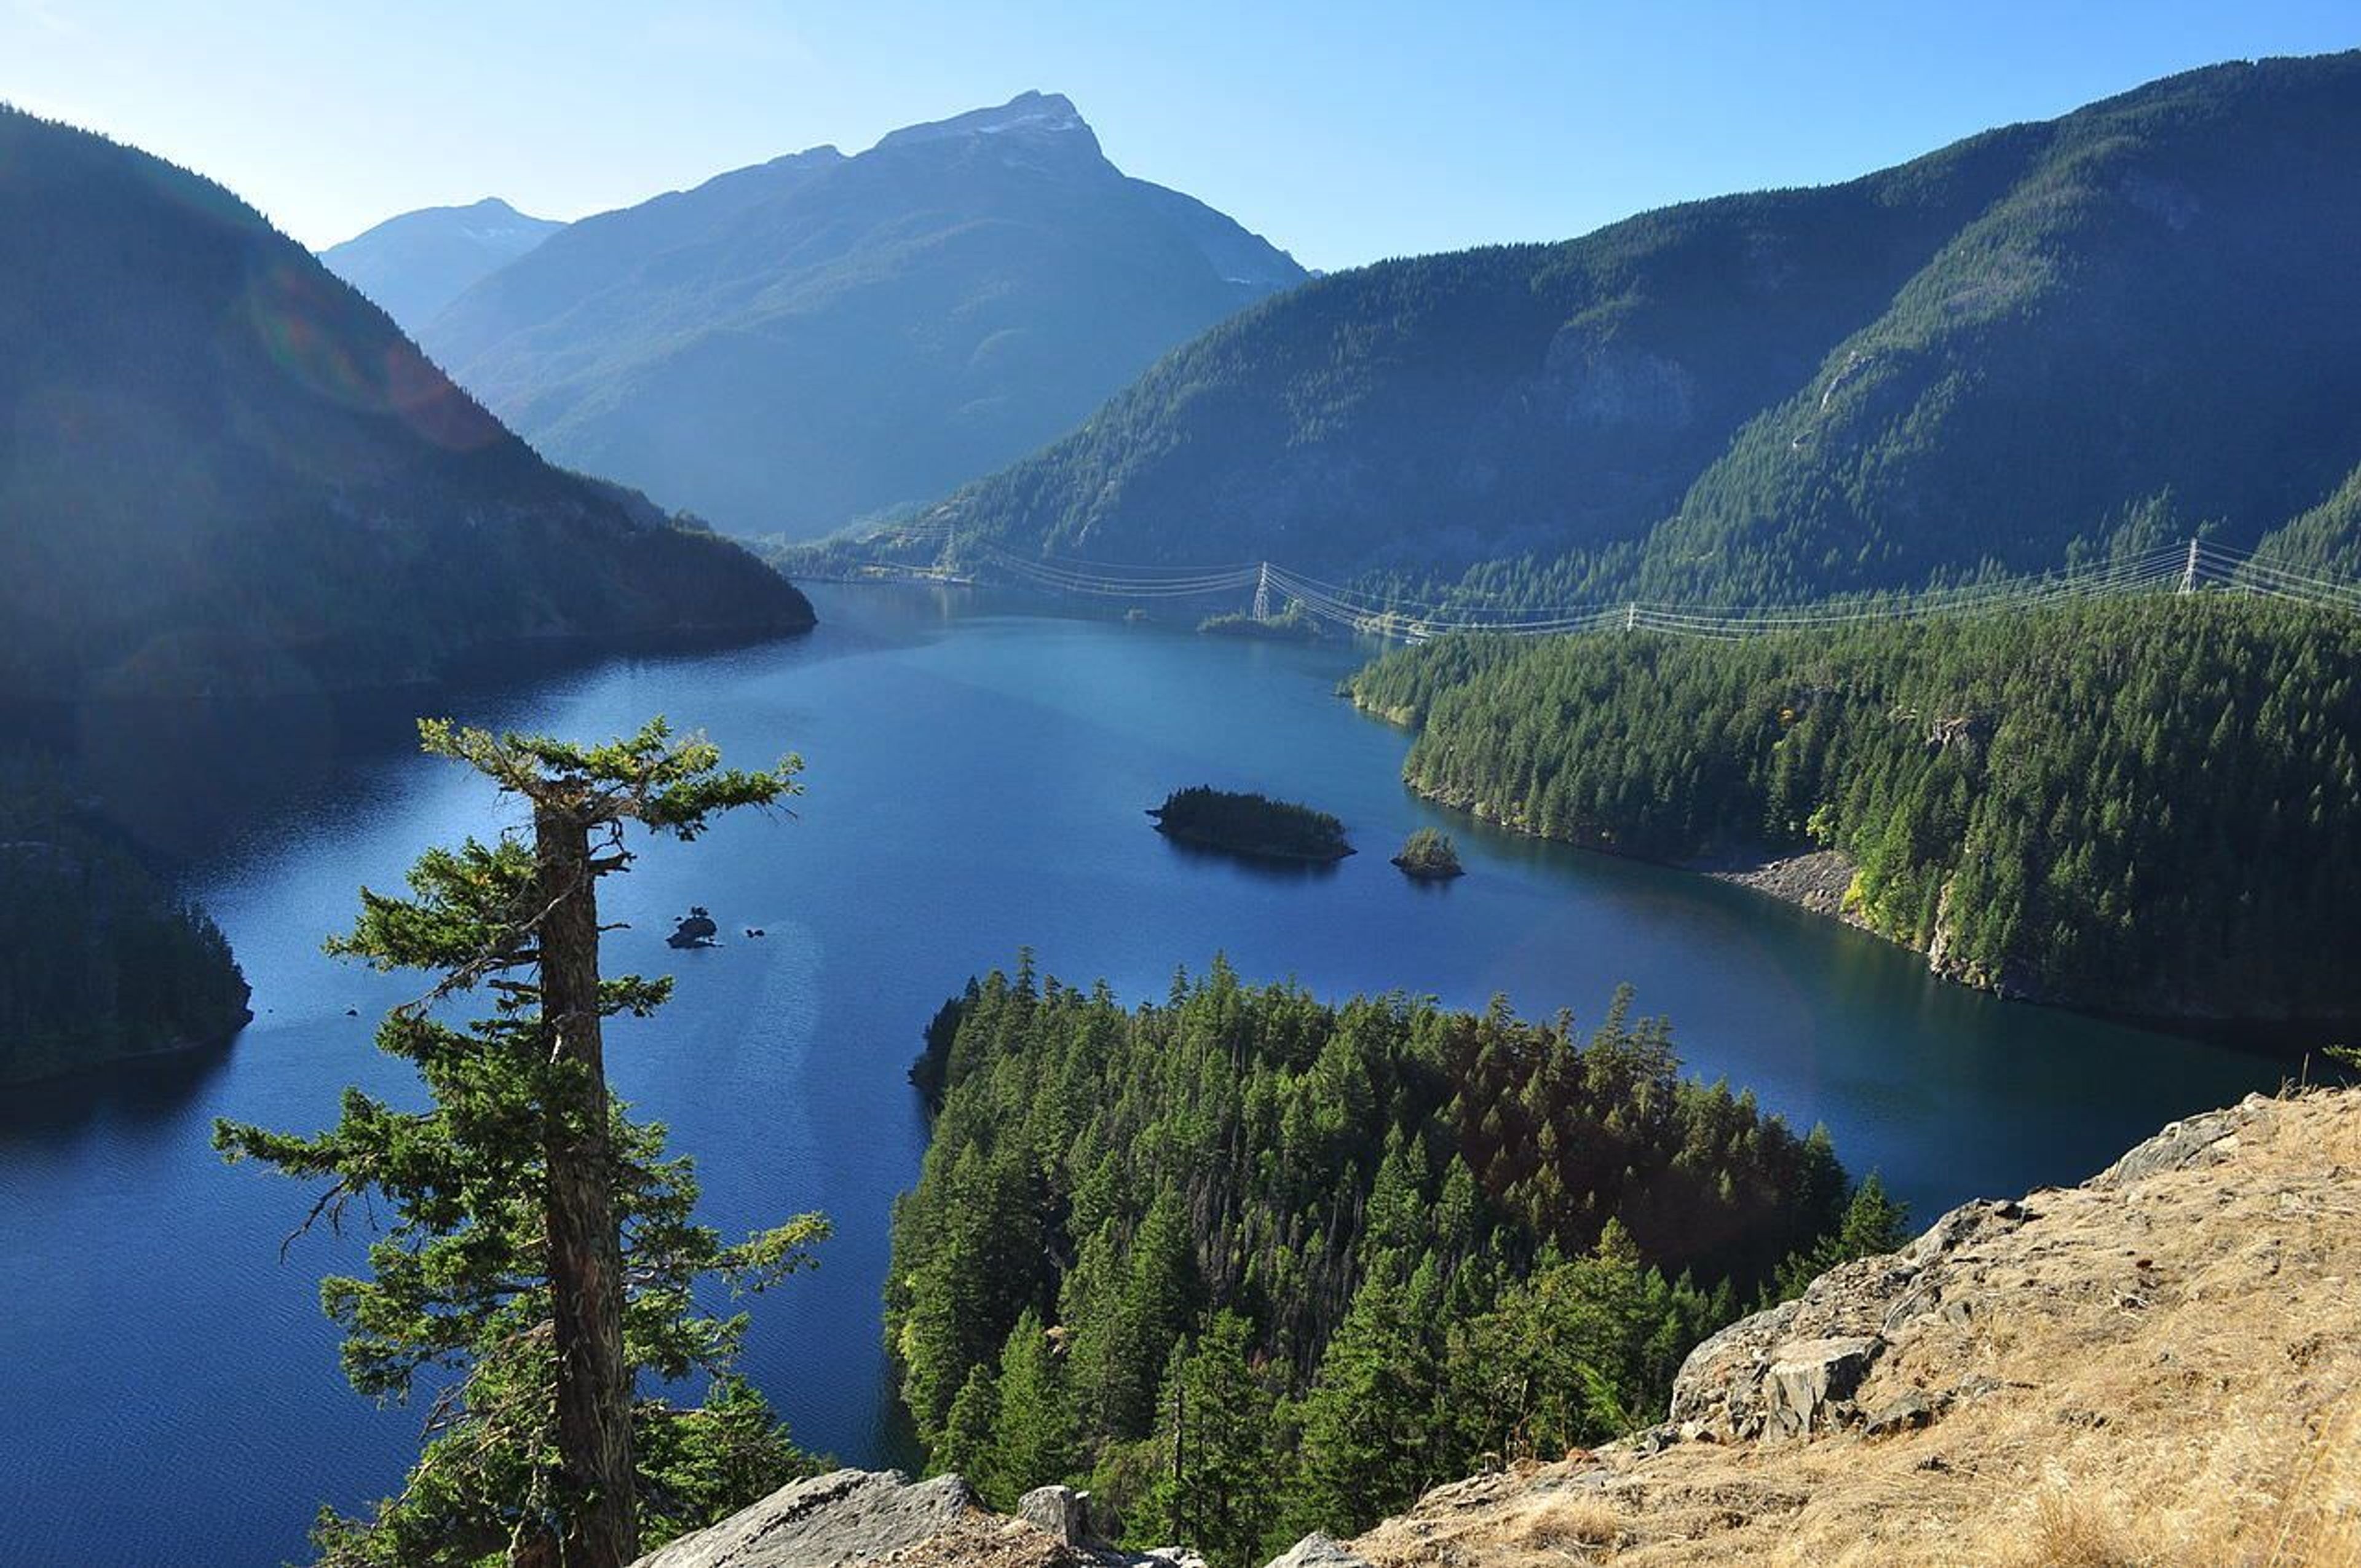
(415, 263)
(1029, 115)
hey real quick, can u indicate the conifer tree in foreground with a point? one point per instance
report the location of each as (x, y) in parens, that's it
(540, 1243)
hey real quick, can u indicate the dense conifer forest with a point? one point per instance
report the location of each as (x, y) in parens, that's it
(1325, 1254)
(98, 959)
(2146, 804)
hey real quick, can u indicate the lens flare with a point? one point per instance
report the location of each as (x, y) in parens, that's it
(322, 336)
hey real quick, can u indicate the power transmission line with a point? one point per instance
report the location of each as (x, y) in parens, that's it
(2185, 567)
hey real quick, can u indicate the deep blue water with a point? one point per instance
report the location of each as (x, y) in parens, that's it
(169, 1391)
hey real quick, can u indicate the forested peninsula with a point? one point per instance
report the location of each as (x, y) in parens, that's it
(98, 959)
(1345, 1249)
(2144, 805)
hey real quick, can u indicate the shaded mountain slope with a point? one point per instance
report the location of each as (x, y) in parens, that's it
(224, 471)
(2152, 315)
(790, 346)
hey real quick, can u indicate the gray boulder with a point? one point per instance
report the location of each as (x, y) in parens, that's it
(837, 1520)
(1317, 1550)
(2189, 1145)
(1904, 1412)
(1063, 1512)
(1807, 1378)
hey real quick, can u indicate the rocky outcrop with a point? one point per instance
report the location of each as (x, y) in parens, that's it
(1817, 879)
(836, 1520)
(696, 930)
(1317, 1550)
(2159, 1366)
(1796, 1368)
(1595, 385)
(867, 1519)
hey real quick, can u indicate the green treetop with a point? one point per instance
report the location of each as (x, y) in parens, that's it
(538, 1243)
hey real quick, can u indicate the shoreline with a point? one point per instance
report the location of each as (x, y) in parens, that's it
(178, 1045)
(1246, 852)
(1815, 882)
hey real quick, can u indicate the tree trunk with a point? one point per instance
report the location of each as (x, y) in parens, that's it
(601, 1514)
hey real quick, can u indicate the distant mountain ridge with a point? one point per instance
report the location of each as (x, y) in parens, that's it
(794, 345)
(413, 265)
(2050, 340)
(225, 473)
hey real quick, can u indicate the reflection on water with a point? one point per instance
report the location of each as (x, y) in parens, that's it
(1270, 866)
(976, 780)
(142, 1091)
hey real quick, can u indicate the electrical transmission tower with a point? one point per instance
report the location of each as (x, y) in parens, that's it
(1262, 593)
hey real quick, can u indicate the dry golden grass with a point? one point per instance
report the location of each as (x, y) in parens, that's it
(2070, 1531)
(1584, 1527)
(2318, 1526)
(2179, 1365)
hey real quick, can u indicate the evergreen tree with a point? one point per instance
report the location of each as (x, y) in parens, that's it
(1873, 1225)
(1215, 1419)
(540, 1242)
(1033, 1425)
(2142, 803)
(1340, 1232)
(967, 1446)
(1367, 1419)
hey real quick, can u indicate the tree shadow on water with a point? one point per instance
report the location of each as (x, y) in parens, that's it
(1269, 868)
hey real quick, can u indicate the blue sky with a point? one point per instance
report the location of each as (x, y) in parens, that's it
(1344, 132)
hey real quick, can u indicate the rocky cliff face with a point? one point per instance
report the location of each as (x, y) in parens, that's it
(2159, 1369)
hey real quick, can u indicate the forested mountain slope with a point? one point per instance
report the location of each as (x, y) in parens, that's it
(224, 471)
(412, 265)
(2104, 329)
(793, 346)
(2148, 805)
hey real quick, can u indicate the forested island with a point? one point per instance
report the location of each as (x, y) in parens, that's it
(1428, 855)
(98, 959)
(2145, 806)
(1353, 1246)
(1250, 825)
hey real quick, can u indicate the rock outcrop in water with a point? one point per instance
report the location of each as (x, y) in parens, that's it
(696, 931)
